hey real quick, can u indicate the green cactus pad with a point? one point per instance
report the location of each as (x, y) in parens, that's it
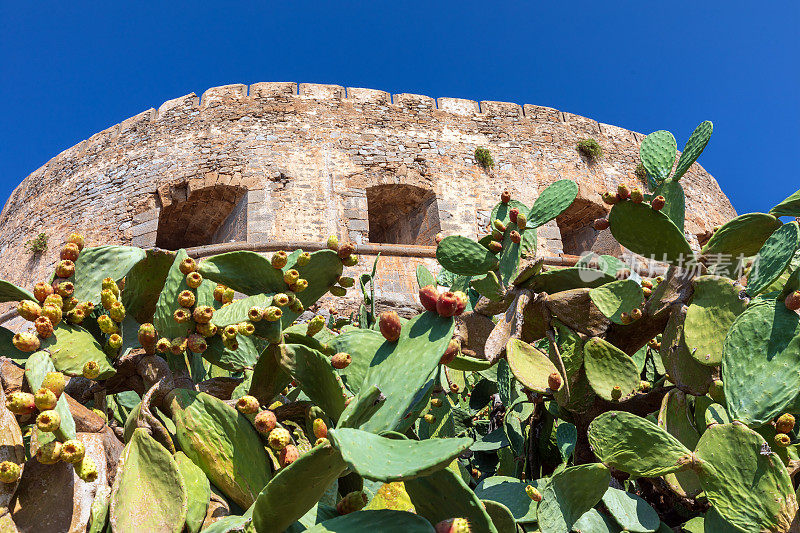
(100, 262)
(742, 236)
(236, 311)
(296, 488)
(744, 484)
(657, 153)
(570, 346)
(788, 208)
(144, 282)
(530, 366)
(268, 378)
(424, 277)
(362, 345)
(168, 301)
(694, 147)
(382, 459)
(674, 201)
(607, 367)
(510, 255)
(684, 370)
(384, 520)
(98, 515)
(245, 356)
(71, 347)
(553, 201)
(511, 493)
(773, 258)
(444, 495)
(593, 521)
(630, 511)
(489, 286)
(361, 408)
(635, 445)
(501, 211)
(223, 443)
(36, 368)
(569, 494)
(11, 293)
(317, 378)
(464, 256)
(564, 279)
(198, 490)
(676, 419)
(649, 233)
(715, 305)
(566, 438)
(322, 272)
(501, 517)
(762, 344)
(715, 414)
(617, 297)
(149, 493)
(402, 370)
(243, 271)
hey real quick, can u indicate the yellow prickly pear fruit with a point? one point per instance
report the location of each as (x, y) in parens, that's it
(272, 313)
(315, 325)
(245, 329)
(110, 285)
(453, 525)
(49, 453)
(107, 325)
(228, 295)
(219, 290)
(56, 382)
(163, 345)
(178, 345)
(9, 472)
(48, 421)
(279, 438)
(303, 259)
(72, 451)
(25, 342)
(279, 259)
(533, 494)
(182, 315)
(291, 276)
(45, 399)
(320, 428)
(203, 314)
(91, 370)
(782, 440)
(785, 423)
(247, 405)
(196, 343)
(21, 403)
(206, 330)
(187, 266)
(86, 469)
(77, 239)
(186, 299)
(29, 310)
(194, 280)
(65, 269)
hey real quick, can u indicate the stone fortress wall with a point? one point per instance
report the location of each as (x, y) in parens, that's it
(281, 162)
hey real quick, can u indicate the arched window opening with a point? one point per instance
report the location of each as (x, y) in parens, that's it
(402, 214)
(578, 234)
(206, 216)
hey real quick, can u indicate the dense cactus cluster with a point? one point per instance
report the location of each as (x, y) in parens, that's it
(522, 398)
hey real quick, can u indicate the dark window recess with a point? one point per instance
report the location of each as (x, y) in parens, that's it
(578, 235)
(402, 214)
(207, 216)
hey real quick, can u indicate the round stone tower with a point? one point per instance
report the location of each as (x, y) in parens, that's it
(278, 166)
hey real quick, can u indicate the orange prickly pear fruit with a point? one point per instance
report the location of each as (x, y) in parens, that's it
(428, 296)
(341, 360)
(453, 525)
(29, 310)
(187, 266)
(320, 429)
(76, 239)
(265, 422)
(658, 203)
(390, 326)
(447, 304)
(785, 423)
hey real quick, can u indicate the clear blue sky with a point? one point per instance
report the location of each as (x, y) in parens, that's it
(71, 69)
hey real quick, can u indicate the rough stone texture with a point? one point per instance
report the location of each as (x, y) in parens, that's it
(280, 162)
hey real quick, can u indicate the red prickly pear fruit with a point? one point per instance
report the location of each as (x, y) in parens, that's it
(219, 290)
(9, 472)
(616, 393)
(782, 440)
(332, 243)
(439, 237)
(50, 453)
(428, 296)
(447, 304)
(21, 403)
(450, 353)
(345, 250)
(86, 469)
(505, 196)
(56, 382)
(554, 381)
(495, 247)
(291, 276)
(196, 343)
(512, 214)
(42, 290)
(453, 525)
(186, 299)
(77, 239)
(350, 261)
(288, 455)
(65, 269)
(245, 329)
(533, 494)
(44, 328)
(636, 314)
(636, 196)
(303, 259)
(609, 198)
(45, 399)
(26, 342)
(792, 301)
(320, 429)
(785, 423)
(390, 326)
(341, 360)
(265, 422)
(658, 203)
(279, 259)
(147, 334)
(91, 370)
(29, 310)
(182, 315)
(203, 314)
(279, 438)
(462, 302)
(48, 421)
(499, 226)
(601, 223)
(187, 265)
(280, 299)
(272, 313)
(352, 502)
(194, 280)
(247, 405)
(72, 451)
(623, 192)
(516, 238)
(70, 251)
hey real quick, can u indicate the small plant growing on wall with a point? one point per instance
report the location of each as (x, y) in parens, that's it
(37, 245)
(590, 148)
(484, 157)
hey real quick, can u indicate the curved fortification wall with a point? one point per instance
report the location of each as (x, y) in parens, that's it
(282, 162)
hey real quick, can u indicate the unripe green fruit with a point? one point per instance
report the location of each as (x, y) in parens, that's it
(255, 314)
(332, 243)
(91, 370)
(228, 295)
(782, 440)
(609, 198)
(346, 250)
(616, 393)
(346, 282)
(522, 221)
(9, 472)
(315, 325)
(498, 225)
(636, 196)
(72, 451)
(297, 306)
(29, 310)
(429, 418)
(338, 291)
(76, 316)
(280, 300)
(717, 391)
(279, 438)
(230, 343)
(45, 399)
(350, 261)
